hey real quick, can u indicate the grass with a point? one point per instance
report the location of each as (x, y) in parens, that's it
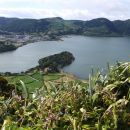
(34, 80)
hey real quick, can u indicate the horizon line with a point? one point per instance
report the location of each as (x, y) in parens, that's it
(63, 18)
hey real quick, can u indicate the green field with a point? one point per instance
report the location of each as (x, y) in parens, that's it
(35, 79)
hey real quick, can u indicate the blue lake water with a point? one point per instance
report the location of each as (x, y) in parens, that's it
(89, 52)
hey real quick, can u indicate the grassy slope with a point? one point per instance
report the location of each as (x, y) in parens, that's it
(34, 80)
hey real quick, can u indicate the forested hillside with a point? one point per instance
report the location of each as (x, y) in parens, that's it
(59, 26)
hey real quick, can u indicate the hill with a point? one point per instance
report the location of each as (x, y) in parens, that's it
(56, 62)
(7, 46)
(59, 26)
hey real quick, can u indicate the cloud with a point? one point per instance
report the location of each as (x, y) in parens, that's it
(67, 9)
(44, 13)
(64, 13)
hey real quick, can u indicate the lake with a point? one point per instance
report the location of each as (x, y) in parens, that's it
(89, 52)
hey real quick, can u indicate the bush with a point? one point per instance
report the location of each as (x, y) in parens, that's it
(5, 88)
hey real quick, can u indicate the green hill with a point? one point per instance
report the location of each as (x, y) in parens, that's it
(7, 46)
(59, 26)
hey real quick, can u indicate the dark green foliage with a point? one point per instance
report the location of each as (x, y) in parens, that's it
(56, 62)
(5, 46)
(5, 88)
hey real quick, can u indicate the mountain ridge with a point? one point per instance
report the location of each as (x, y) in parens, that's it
(59, 26)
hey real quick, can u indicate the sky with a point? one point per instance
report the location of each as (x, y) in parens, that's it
(67, 9)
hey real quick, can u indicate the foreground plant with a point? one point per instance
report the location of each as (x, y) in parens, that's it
(102, 104)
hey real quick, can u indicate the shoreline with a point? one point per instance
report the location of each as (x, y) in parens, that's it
(43, 38)
(44, 68)
(19, 43)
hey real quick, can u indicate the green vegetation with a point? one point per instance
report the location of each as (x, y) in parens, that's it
(34, 79)
(5, 88)
(55, 62)
(58, 26)
(5, 46)
(101, 104)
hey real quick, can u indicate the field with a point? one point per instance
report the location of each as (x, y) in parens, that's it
(35, 79)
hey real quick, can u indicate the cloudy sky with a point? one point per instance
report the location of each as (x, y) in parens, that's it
(67, 9)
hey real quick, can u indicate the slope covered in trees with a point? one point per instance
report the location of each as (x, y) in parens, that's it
(59, 26)
(55, 62)
(7, 46)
